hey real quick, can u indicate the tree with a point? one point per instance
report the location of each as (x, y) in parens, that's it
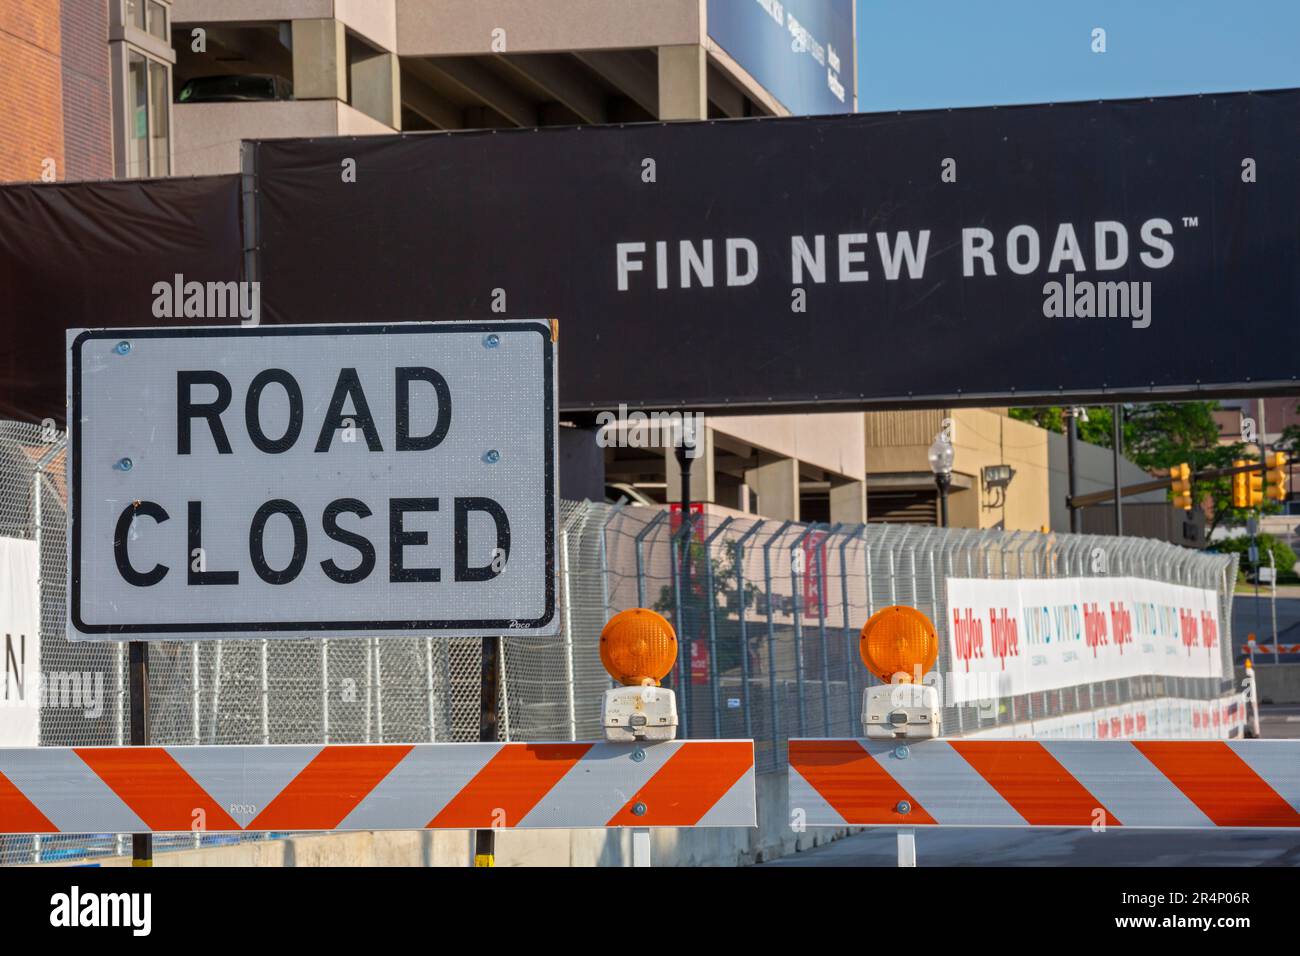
(1283, 556)
(1095, 430)
(1159, 435)
(1289, 440)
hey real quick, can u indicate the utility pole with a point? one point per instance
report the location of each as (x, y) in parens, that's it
(1116, 444)
(1071, 437)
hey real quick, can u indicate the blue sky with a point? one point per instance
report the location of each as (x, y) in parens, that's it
(918, 54)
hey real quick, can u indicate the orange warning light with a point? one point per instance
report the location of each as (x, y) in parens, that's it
(898, 640)
(638, 646)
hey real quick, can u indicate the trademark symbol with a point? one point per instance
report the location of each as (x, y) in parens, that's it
(1190, 222)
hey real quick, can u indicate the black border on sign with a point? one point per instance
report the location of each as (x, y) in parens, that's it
(401, 328)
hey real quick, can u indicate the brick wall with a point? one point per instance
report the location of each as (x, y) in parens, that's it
(31, 88)
(55, 95)
(87, 96)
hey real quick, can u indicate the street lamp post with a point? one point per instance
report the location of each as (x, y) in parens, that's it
(941, 464)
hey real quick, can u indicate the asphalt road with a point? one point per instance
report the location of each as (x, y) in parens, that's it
(979, 846)
(1052, 847)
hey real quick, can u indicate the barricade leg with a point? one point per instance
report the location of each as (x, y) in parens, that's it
(906, 847)
(641, 847)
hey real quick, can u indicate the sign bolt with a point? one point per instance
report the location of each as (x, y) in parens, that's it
(639, 810)
(901, 752)
(903, 807)
(122, 348)
(491, 341)
(638, 755)
(124, 464)
(492, 456)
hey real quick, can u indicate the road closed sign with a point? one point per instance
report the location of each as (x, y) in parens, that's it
(297, 481)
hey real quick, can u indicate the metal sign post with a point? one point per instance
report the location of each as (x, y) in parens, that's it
(138, 684)
(488, 693)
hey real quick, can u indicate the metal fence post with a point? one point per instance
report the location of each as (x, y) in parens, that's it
(683, 635)
(196, 729)
(713, 622)
(771, 638)
(325, 690)
(944, 654)
(744, 624)
(566, 575)
(428, 689)
(216, 693)
(893, 571)
(119, 649)
(379, 688)
(265, 692)
(40, 568)
(638, 544)
(849, 669)
(604, 561)
(824, 577)
(797, 606)
(368, 651)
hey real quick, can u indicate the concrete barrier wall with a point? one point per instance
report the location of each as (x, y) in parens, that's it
(704, 846)
(1276, 683)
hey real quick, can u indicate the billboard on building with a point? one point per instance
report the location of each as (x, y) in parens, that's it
(800, 51)
(1088, 251)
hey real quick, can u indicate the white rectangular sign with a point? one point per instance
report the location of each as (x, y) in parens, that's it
(312, 480)
(1014, 637)
(20, 643)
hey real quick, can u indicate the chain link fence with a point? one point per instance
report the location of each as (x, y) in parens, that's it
(767, 624)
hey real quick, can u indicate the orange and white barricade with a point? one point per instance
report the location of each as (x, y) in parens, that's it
(1046, 783)
(679, 783)
(1253, 648)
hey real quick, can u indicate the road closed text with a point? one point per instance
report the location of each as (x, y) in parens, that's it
(353, 523)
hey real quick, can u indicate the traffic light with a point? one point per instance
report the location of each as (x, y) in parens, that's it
(1255, 486)
(1240, 486)
(1182, 486)
(1275, 478)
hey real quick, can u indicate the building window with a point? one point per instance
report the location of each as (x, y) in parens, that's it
(147, 16)
(158, 20)
(148, 135)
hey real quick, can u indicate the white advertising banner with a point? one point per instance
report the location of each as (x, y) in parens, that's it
(1024, 636)
(20, 652)
(1163, 718)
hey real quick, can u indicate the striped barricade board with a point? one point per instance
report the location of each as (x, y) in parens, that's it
(691, 783)
(1172, 784)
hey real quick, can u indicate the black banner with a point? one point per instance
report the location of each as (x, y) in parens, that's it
(1127, 249)
(97, 255)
